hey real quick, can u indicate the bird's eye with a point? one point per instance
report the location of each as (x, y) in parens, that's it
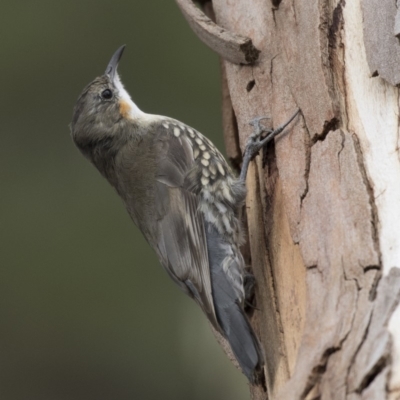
(107, 94)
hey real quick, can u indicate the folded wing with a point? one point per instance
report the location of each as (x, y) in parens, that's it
(182, 243)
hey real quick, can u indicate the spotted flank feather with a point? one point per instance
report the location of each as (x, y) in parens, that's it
(219, 193)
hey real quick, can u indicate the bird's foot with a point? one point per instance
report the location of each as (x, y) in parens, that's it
(256, 141)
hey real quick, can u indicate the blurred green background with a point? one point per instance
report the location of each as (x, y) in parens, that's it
(86, 311)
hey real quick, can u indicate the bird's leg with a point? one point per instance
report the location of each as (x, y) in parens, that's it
(255, 143)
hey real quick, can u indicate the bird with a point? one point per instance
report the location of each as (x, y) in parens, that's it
(182, 195)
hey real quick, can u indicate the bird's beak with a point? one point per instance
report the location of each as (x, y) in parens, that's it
(113, 64)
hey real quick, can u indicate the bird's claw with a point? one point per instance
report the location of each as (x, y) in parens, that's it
(255, 142)
(258, 127)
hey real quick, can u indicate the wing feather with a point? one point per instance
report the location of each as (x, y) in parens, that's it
(182, 242)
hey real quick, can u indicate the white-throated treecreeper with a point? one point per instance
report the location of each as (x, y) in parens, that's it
(183, 196)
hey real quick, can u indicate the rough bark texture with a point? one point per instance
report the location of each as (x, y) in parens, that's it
(381, 38)
(323, 203)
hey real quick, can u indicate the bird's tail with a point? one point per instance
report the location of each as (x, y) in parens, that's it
(242, 339)
(230, 315)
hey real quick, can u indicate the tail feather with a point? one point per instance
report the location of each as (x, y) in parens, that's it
(243, 342)
(231, 317)
(237, 330)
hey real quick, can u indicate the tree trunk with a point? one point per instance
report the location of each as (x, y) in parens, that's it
(323, 203)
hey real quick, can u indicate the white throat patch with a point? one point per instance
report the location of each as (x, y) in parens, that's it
(134, 110)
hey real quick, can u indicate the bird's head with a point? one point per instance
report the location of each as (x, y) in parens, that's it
(103, 106)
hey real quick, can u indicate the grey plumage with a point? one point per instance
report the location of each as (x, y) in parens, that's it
(182, 195)
(228, 308)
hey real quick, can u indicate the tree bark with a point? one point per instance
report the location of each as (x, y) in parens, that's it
(323, 203)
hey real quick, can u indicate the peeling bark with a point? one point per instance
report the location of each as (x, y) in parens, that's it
(323, 202)
(236, 48)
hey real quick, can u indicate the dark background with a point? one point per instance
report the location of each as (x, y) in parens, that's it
(86, 311)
